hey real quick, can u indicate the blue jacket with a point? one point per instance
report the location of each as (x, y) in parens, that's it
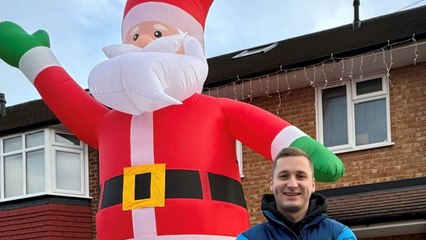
(315, 226)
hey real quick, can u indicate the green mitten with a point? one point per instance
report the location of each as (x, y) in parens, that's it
(15, 42)
(327, 166)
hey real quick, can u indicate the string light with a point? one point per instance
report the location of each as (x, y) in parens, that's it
(334, 63)
(361, 75)
(251, 91)
(235, 91)
(267, 86)
(375, 57)
(416, 55)
(325, 75)
(288, 84)
(315, 77)
(307, 77)
(295, 75)
(388, 67)
(343, 71)
(242, 91)
(388, 62)
(278, 93)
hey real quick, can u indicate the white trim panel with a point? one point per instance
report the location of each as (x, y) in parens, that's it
(36, 60)
(284, 138)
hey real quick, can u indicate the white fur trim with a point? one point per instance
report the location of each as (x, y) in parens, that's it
(142, 152)
(157, 11)
(284, 138)
(36, 60)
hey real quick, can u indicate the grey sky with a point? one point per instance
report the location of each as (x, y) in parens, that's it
(79, 29)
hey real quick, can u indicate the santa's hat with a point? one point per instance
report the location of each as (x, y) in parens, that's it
(187, 15)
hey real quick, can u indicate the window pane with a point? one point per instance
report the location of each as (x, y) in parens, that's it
(35, 171)
(67, 139)
(68, 171)
(13, 144)
(334, 109)
(34, 139)
(13, 176)
(369, 86)
(370, 122)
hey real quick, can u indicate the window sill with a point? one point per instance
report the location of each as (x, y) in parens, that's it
(364, 147)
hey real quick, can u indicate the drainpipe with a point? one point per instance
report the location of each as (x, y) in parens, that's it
(2, 105)
(357, 23)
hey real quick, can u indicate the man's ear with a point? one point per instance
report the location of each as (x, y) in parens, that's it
(313, 184)
(270, 184)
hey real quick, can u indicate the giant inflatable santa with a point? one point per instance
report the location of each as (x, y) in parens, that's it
(168, 168)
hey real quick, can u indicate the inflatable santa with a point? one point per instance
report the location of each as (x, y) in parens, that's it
(168, 167)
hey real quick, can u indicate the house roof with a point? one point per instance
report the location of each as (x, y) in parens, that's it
(379, 202)
(313, 48)
(26, 116)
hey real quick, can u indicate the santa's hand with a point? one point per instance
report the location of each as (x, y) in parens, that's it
(15, 42)
(328, 167)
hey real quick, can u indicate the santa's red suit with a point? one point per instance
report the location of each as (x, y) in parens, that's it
(194, 140)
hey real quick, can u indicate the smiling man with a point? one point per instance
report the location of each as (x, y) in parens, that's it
(294, 211)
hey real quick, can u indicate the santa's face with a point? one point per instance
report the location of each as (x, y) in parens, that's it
(146, 73)
(145, 32)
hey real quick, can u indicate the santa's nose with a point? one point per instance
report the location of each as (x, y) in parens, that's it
(144, 40)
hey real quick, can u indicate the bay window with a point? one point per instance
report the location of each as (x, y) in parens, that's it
(48, 161)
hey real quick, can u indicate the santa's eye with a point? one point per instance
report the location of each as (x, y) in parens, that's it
(135, 37)
(158, 34)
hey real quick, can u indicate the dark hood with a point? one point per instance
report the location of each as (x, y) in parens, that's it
(317, 206)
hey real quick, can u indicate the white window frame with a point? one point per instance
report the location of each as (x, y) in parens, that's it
(50, 147)
(352, 99)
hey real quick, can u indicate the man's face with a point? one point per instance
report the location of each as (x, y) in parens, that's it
(292, 184)
(145, 32)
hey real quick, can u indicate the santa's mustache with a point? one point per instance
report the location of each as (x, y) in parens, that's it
(136, 80)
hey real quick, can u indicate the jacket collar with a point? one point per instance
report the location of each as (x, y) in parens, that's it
(317, 211)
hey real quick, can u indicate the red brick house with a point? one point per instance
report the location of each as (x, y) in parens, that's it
(359, 90)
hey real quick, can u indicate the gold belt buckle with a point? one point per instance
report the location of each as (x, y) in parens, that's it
(157, 188)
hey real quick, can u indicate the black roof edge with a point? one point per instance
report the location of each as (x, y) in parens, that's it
(338, 56)
(30, 127)
(367, 220)
(382, 186)
(44, 200)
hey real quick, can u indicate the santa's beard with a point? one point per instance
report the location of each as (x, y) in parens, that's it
(137, 82)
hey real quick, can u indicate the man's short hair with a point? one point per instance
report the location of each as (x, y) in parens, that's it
(291, 152)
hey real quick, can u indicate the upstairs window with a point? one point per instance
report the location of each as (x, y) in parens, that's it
(354, 115)
(49, 161)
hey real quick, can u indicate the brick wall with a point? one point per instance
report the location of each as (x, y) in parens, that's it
(50, 221)
(405, 159)
(94, 189)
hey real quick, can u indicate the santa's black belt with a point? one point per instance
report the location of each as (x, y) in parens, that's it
(178, 184)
